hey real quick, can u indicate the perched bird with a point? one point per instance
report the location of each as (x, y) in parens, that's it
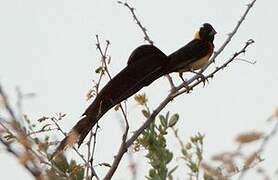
(195, 54)
(145, 64)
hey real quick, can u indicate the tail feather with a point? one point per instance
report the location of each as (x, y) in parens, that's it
(76, 135)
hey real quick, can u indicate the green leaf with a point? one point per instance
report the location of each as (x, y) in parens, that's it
(99, 70)
(145, 113)
(172, 171)
(152, 173)
(173, 120)
(163, 120)
(193, 166)
(155, 164)
(184, 152)
(167, 115)
(169, 157)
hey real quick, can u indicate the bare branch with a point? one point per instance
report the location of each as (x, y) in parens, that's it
(146, 36)
(231, 35)
(144, 30)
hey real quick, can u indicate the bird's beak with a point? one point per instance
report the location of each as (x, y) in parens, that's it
(213, 32)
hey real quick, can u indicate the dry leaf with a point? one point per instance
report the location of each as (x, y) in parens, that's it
(117, 107)
(249, 137)
(90, 94)
(253, 157)
(141, 99)
(215, 172)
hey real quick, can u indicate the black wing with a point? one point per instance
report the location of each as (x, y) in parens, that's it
(146, 63)
(188, 54)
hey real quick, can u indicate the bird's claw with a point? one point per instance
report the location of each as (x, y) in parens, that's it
(203, 79)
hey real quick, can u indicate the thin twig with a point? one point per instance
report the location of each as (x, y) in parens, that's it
(103, 56)
(144, 30)
(41, 131)
(146, 36)
(245, 60)
(231, 35)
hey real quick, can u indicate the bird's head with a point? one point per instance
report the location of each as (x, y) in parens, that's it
(206, 33)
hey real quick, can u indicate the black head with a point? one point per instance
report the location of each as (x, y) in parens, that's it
(207, 32)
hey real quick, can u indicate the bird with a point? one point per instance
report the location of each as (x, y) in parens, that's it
(145, 64)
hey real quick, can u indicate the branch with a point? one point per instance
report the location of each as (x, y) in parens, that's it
(230, 36)
(146, 36)
(144, 30)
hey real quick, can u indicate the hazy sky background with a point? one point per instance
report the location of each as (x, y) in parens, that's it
(48, 47)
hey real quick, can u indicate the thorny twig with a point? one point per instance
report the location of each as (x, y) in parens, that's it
(104, 57)
(144, 30)
(146, 36)
(105, 67)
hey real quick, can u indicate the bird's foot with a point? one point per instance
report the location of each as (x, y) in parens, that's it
(185, 84)
(203, 78)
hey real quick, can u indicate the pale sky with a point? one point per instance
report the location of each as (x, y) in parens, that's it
(48, 47)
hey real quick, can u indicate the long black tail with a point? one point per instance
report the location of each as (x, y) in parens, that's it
(145, 65)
